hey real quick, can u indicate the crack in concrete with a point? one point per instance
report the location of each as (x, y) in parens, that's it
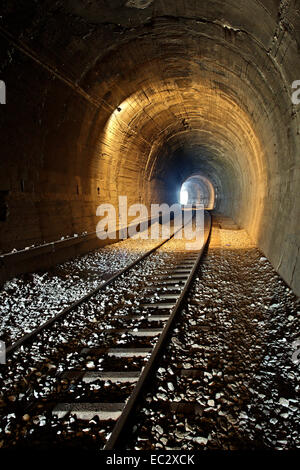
(140, 4)
(280, 262)
(281, 28)
(294, 269)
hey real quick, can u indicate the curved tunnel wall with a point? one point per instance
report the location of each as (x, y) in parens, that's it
(115, 101)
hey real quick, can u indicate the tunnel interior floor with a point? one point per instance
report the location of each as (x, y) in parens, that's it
(230, 376)
(30, 299)
(31, 380)
(237, 333)
(226, 234)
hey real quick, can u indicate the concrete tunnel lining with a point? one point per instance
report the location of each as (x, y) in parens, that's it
(196, 95)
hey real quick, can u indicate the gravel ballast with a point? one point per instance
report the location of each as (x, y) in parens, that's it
(32, 375)
(31, 299)
(236, 338)
(227, 379)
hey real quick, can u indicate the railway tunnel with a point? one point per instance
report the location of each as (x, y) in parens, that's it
(131, 100)
(153, 100)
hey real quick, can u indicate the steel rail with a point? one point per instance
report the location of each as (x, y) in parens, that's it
(122, 422)
(30, 336)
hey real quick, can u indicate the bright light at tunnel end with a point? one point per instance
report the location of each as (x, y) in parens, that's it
(184, 196)
(185, 226)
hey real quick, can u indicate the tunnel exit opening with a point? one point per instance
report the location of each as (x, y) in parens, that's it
(184, 196)
(198, 189)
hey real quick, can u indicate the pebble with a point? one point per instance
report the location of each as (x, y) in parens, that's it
(159, 429)
(201, 440)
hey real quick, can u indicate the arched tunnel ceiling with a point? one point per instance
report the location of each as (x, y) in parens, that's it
(134, 96)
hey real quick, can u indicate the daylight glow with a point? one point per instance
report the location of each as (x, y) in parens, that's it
(184, 196)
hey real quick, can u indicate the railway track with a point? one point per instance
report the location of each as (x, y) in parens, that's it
(119, 367)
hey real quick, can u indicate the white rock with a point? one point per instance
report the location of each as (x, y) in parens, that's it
(171, 386)
(284, 402)
(159, 429)
(201, 440)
